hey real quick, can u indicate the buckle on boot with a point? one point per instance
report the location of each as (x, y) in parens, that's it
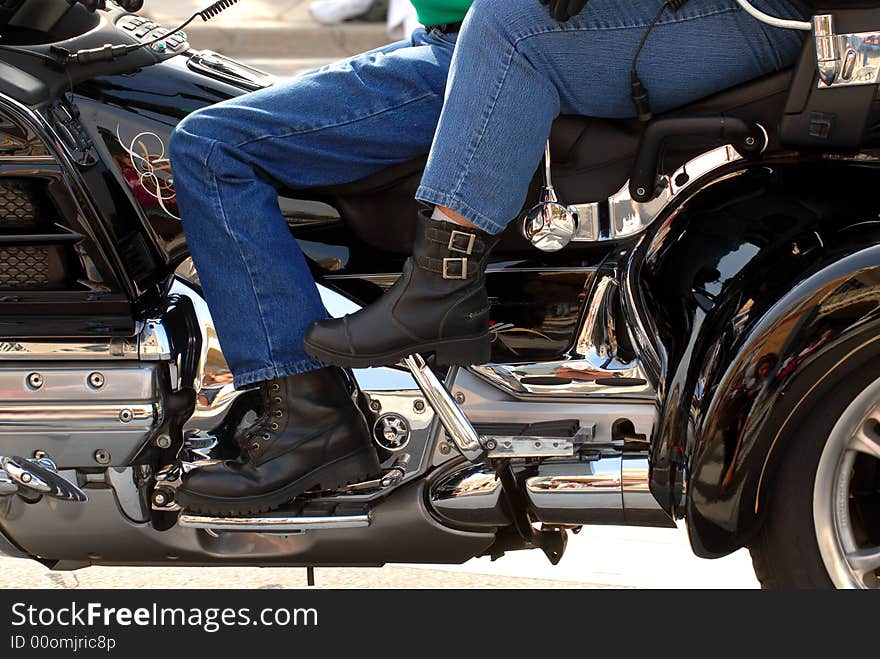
(461, 242)
(455, 268)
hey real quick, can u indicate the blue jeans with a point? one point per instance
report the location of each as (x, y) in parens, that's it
(497, 115)
(513, 72)
(334, 125)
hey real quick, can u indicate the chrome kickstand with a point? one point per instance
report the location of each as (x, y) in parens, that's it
(457, 426)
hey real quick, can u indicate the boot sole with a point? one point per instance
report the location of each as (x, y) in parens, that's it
(467, 351)
(353, 468)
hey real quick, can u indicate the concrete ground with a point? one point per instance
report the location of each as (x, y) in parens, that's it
(281, 29)
(599, 557)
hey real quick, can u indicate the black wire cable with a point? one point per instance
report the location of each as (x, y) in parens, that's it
(111, 52)
(32, 53)
(638, 92)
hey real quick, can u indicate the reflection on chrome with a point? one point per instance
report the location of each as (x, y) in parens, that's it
(471, 494)
(601, 371)
(215, 391)
(628, 217)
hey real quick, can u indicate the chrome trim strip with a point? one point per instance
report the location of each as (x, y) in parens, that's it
(28, 160)
(272, 524)
(628, 218)
(67, 349)
(27, 418)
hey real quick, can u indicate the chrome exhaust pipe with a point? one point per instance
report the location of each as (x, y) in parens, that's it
(609, 485)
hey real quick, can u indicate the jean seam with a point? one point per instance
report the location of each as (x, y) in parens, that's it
(284, 370)
(309, 131)
(221, 212)
(487, 115)
(564, 28)
(431, 196)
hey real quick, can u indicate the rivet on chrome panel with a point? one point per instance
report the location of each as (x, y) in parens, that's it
(96, 380)
(35, 380)
(126, 415)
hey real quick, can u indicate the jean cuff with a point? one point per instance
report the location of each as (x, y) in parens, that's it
(248, 378)
(455, 204)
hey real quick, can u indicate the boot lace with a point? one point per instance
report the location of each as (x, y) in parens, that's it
(269, 423)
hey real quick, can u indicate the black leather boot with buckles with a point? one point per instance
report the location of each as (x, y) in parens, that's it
(438, 305)
(311, 435)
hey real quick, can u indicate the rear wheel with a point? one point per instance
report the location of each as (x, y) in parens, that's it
(823, 513)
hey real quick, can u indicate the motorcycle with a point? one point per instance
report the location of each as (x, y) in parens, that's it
(692, 334)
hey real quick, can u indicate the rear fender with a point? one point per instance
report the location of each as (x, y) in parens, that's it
(745, 288)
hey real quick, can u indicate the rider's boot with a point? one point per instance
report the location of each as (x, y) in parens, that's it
(311, 435)
(438, 305)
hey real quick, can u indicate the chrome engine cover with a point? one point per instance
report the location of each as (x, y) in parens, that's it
(80, 414)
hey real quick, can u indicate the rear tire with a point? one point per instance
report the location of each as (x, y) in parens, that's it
(788, 552)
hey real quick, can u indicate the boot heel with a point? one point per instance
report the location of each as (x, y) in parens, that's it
(465, 352)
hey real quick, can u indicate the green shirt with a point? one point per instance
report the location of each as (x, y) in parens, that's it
(438, 12)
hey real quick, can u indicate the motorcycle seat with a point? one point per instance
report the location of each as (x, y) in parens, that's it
(592, 160)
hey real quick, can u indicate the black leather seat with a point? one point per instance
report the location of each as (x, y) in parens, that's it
(592, 159)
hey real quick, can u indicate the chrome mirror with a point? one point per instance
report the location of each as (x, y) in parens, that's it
(550, 225)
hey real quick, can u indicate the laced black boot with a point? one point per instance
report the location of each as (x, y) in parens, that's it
(438, 305)
(310, 436)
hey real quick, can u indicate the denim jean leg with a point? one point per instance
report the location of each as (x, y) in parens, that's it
(334, 125)
(498, 114)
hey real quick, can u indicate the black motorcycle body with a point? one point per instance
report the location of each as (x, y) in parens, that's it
(674, 342)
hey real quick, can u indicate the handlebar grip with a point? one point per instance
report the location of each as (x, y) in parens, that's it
(746, 137)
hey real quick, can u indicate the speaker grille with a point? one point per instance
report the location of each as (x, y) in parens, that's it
(30, 267)
(18, 207)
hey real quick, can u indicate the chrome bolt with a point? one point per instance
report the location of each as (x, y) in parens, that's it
(35, 380)
(491, 445)
(26, 477)
(102, 457)
(375, 405)
(126, 415)
(641, 192)
(96, 380)
(419, 406)
(39, 455)
(445, 449)
(163, 441)
(750, 141)
(459, 398)
(159, 499)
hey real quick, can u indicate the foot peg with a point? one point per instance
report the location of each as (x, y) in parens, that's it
(39, 476)
(301, 520)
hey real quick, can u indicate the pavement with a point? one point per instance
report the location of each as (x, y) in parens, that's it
(280, 37)
(598, 557)
(269, 29)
